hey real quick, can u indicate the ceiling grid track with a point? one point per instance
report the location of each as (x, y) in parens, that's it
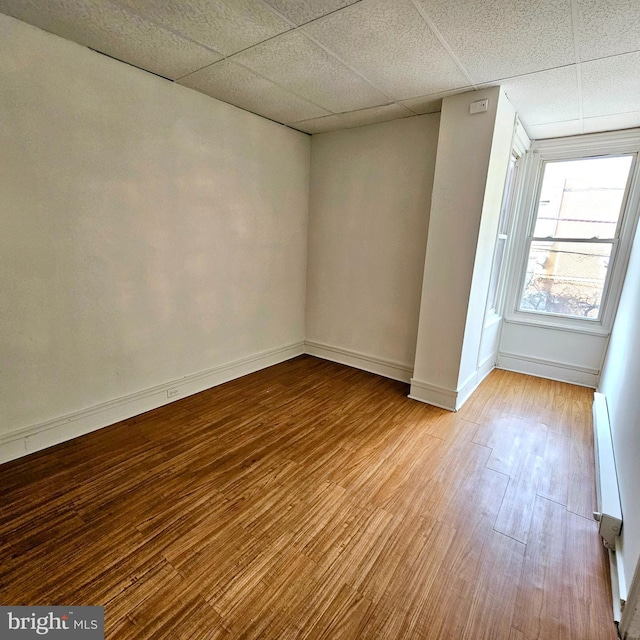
(436, 32)
(167, 28)
(568, 67)
(575, 15)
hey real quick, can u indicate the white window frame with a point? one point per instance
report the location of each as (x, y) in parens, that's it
(519, 149)
(579, 147)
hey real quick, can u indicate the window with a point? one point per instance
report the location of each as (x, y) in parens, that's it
(510, 198)
(503, 230)
(574, 235)
(574, 225)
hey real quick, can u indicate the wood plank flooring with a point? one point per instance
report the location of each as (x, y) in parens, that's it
(313, 501)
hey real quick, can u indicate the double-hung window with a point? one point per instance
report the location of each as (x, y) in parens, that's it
(497, 288)
(575, 235)
(501, 241)
(575, 241)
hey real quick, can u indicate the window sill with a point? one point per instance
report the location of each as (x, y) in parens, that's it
(559, 324)
(491, 318)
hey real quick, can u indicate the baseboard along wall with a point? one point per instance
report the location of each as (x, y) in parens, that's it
(386, 368)
(550, 369)
(47, 434)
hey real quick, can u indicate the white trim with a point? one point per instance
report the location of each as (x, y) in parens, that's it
(551, 363)
(372, 364)
(630, 620)
(551, 369)
(614, 578)
(583, 146)
(613, 142)
(521, 142)
(623, 592)
(474, 380)
(24, 441)
(451, 399)
(486, 367)
(434, 394)
(543, 323)
(467, 389)
(609, 511)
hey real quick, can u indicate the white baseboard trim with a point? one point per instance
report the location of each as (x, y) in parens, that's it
(446, 398)
(366, 362)
(474, 380)
(46, 434)
(551, 369)
(629, 627)
(434, 394)
(486, 367)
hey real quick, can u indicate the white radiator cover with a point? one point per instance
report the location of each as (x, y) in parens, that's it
(609, 513)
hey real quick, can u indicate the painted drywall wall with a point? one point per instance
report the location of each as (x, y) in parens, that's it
(460, 186)
(552, 353)
(149, 233)
(619, 384)
(470, 373)
(368, 221)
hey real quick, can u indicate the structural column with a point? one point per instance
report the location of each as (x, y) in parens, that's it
(471, 166)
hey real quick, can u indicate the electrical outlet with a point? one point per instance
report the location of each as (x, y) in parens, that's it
(172, 392)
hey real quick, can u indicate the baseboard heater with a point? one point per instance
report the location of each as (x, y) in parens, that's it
(609, 513)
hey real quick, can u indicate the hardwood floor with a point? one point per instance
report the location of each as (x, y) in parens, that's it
(311, 500)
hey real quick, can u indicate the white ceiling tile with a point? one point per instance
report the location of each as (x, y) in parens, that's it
(296, 63)
(301, 11)
(547, 96)
(431, 103)
(227, 26)
(353, 119)
(608, 27)
(612, 122)
(554, 129)
(497, 39)
(233, 83)
(107, 28)
(385, 51)
(611, 85)
(391, 45)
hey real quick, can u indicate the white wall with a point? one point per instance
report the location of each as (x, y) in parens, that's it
(148, 233)
(619, 383)
(557, 348)
(472, 357)
(368, 221)
(552, 353)
(469, 178)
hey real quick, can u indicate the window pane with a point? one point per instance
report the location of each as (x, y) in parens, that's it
(505, 210)
(495, 273)
(582, 198)
(566, 278)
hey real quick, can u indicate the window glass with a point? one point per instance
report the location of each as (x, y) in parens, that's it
(566, 278)
(582, 198)
(574, 236)
(503, 228)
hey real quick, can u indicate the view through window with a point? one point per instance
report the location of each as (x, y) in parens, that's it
(574, 236)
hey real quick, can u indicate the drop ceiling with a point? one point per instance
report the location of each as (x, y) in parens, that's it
(568, 66)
